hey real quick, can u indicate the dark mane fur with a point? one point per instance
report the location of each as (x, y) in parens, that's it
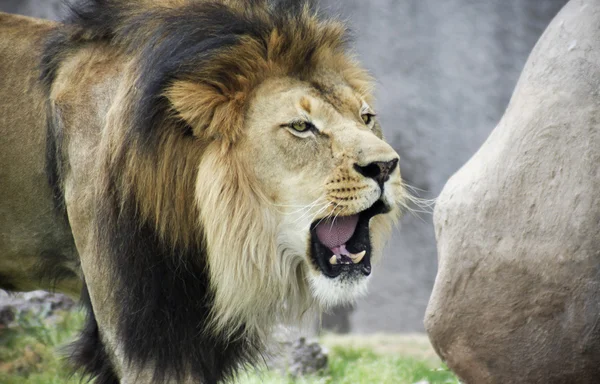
(173, 42)
(163, 289)
(166, 301)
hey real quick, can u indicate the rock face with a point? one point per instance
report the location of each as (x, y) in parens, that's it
(517, 295)
(48, 9)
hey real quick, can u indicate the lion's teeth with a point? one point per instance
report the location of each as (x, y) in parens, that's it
(333, 260)
(358, 257)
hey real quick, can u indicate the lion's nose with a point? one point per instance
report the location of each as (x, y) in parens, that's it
(378, 170)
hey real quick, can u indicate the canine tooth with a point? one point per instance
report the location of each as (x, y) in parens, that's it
(358, 257)
(333, 260)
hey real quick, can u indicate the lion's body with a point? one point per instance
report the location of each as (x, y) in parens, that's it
(148, 157)
(35, 241)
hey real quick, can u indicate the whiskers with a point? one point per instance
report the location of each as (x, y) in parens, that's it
(411, 202)
(335, 217)
(326, 217)
(324, 208)
(313, 209)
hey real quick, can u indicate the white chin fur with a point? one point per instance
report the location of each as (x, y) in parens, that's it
(337, 291)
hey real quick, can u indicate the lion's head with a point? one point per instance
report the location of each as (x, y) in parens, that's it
(302, 204)
(297, 194)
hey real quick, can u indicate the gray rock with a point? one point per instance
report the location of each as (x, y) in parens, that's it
(306, 358)
(294, 355)
(7, 315)
(516, 298)
(38, 303)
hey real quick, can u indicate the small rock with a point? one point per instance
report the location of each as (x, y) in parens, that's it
(39, 303)
(306, 358)
(7, 315)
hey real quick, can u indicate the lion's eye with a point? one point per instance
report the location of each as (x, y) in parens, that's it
(368, 118)
(301, 126)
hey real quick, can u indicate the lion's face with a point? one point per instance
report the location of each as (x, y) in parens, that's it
(331, 181)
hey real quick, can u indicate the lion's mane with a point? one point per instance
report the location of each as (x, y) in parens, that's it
(197, 280)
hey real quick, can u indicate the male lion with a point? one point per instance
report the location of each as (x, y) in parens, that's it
(201, 170)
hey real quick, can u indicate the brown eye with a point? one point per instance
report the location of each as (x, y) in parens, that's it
(368, 118)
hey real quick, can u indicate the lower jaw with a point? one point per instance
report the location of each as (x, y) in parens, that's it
(345, 289)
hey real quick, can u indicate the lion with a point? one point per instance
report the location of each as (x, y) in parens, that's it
(199, 171)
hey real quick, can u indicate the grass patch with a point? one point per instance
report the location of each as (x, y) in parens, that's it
(364, 366)
(352, 366)
(30, 354)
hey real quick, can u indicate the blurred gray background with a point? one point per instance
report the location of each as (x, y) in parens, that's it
(445, 72)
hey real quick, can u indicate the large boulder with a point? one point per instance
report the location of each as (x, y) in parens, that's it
(517, 294)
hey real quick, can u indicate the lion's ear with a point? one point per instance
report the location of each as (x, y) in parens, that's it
(210, 112)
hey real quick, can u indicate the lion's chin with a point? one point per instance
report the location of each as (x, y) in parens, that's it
(333, 292)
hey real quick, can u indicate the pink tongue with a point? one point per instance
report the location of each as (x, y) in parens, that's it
(333, 233)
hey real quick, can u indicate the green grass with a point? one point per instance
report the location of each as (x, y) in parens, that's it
(352, 366)
(30, 354)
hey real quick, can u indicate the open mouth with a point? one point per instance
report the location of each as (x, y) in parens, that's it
(343, 244)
